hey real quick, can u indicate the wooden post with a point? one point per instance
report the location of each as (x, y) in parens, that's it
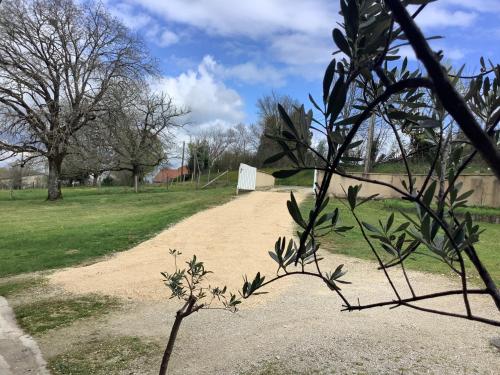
(368, 156)
(182, 163)
(193, 176)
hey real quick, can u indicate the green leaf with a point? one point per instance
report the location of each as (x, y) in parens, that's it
(429, 124)
(275, 258)
(275, 158)
(397, 115)
(348, 121)
(327, 79)
(352, 193)
(336, 137)
(284, 116)
(465, 195)
(294, 210)
(354, 144)
(311, 99)
(284, 173)
(369, 198)
(402, 227)
(337, 99)
(341, 42)
(429, 193)
(390, 221)
(350, 159)
(370, 227)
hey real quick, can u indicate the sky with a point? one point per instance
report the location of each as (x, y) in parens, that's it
(217, 57)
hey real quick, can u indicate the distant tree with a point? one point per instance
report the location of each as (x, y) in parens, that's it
(16, 176)
(89, 153)
(243, 142)
(198, 157)
(140, 129)
(217, 141)
(58, 59)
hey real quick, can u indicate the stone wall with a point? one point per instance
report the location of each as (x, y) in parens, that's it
(486, 187)
(264, 180)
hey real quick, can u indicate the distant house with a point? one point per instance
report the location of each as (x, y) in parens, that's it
(28, 180)
(166, 174)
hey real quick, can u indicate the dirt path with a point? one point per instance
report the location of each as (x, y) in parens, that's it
(232, 239)
(298, 325)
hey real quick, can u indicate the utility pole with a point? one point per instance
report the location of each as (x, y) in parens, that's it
(368, 156)
(195, 163)
(182, 163)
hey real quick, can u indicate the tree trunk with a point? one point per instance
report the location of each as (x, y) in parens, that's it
(171, 342)
(54, 182)
(95, 179)
(369, 147)
(136, 182)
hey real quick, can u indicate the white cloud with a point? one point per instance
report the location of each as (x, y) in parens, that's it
(161, 36)
(450, 53)
(439, 16)
(477, 5)
(141, 21)
(168, 38)
(253, 19)
(247, 72)
(130, 17)
(294, 33)
(302, 49)
(208, 98)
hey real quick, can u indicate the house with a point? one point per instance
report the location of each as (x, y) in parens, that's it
(30, 180)
(167, 174)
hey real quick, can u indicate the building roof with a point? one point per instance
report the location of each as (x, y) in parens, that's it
(167, 174)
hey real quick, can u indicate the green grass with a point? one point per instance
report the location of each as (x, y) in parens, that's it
(303, 178)
(11, 287)
(88, 223)
(353, 244)
(400, 205)
(40, 316)
(118, 355)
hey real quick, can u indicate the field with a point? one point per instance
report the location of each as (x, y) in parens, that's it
(112, 317)
(353, 243)
(89, 223)
(86, 328)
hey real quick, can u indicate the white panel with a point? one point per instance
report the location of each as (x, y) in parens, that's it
(246, 177)
(315, 180)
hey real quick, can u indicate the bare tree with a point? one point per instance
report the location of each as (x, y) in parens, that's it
(217, 141)
(89, 153)
(140, 128)
(58, 59)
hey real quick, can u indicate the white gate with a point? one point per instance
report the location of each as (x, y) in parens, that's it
(247, 176)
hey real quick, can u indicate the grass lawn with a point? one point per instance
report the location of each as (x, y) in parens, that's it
(40, 316)
(88, 223)
(353, 244)
(116, 355)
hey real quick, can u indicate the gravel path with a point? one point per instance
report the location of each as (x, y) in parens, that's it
(297, 326)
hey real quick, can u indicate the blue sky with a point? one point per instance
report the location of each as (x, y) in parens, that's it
(219, 56)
